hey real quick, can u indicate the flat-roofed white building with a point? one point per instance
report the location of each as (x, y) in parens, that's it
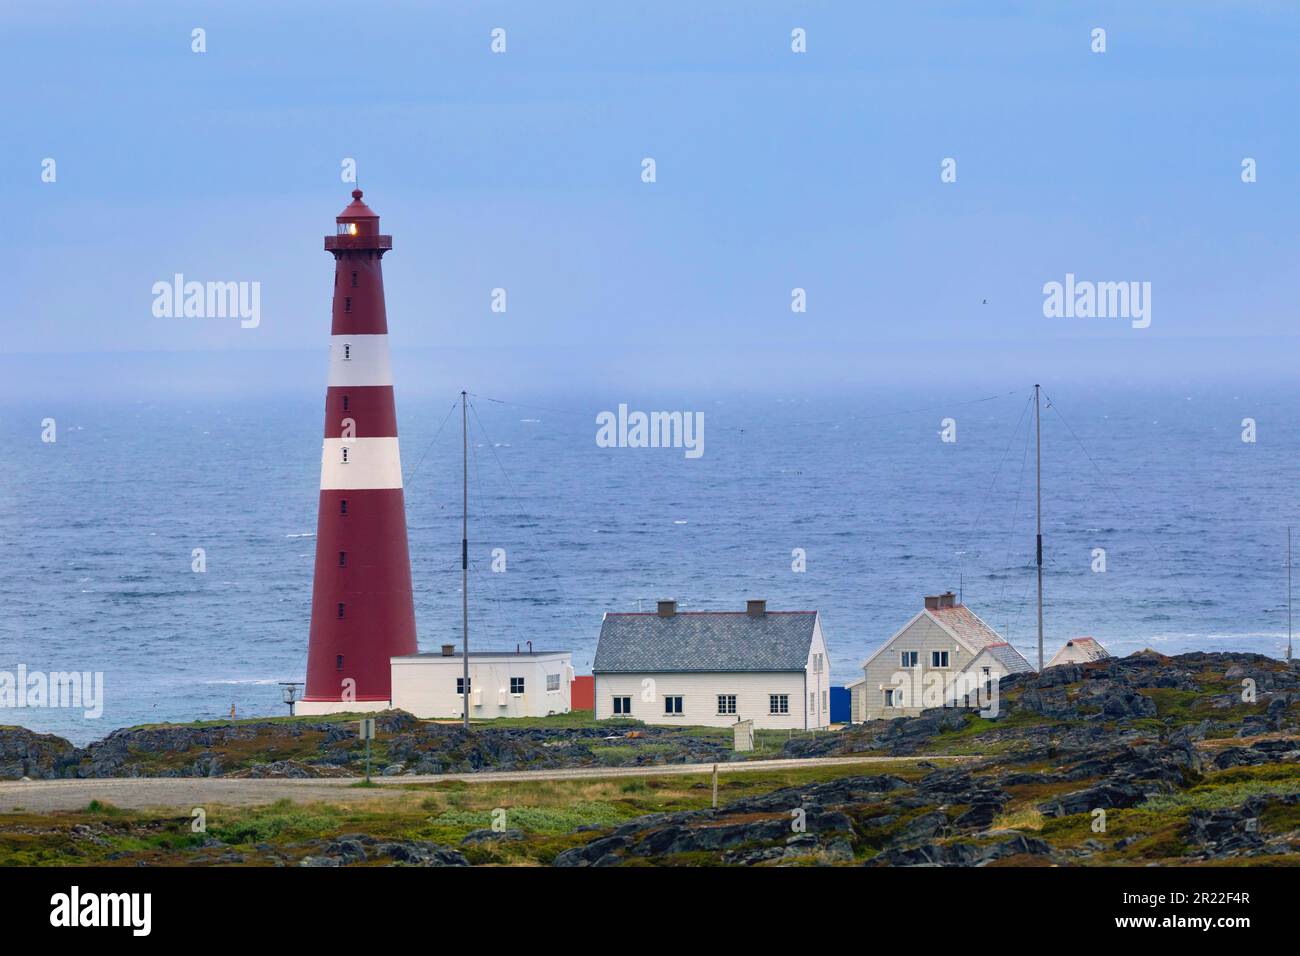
(501, 683)
(713, 668)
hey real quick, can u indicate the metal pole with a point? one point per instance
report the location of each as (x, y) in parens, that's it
(1038, 481)
(464, 552)
(367, 760)
(715, 786)
(1288, 592)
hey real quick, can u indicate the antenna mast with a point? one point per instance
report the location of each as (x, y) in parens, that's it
(1038, 466)
(464, 552)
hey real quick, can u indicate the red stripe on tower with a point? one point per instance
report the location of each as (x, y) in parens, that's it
(362, 613)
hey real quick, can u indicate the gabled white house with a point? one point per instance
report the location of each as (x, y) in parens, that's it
(944, 641)
(501, 683)
(1079, 650)
(713, 668)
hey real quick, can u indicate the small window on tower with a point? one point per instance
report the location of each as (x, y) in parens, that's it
(345, 403)
(347, 352)
(354, 280)
(343, 506)
(345, 456)
(338, 663)
(340, 608)
(347, 303)
(343, 559)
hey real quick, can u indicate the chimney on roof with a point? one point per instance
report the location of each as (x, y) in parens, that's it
(448, 650)
(756, 608)
(935, 602)
(667, 608)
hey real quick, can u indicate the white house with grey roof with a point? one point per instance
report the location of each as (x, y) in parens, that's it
(945, 645)
(713, 668)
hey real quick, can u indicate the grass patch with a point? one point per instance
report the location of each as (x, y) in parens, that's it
(104, 809)
(1026, 818)
(280, 820)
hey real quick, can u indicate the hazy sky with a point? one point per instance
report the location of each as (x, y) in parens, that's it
(775, 170)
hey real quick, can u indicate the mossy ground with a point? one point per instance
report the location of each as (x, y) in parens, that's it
(546, 811)
(549, 812)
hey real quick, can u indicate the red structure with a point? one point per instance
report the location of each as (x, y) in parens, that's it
(582, 693)
(362, 613)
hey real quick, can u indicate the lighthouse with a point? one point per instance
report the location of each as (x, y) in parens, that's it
(362, 613)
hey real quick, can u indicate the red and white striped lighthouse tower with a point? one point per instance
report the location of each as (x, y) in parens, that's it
(362, 613)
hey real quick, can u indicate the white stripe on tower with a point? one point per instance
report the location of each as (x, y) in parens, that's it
(357, 360)
(355, 464)
(369, 463)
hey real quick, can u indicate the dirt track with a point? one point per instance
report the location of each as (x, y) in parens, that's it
(188, 792)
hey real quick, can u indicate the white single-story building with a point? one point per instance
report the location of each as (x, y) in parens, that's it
(501, 683)
(713, 668)
(1079, 650)
(945, 645)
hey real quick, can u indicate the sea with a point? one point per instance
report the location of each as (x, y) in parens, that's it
(1164, 527)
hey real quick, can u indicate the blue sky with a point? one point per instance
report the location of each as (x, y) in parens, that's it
(775, 170)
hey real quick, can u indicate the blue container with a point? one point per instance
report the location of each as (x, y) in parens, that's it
(841, 705)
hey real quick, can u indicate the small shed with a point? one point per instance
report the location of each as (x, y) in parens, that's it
(583, 692)
(857, 700)
(1079, 650)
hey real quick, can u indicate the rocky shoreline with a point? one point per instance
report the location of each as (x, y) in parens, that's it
(1146, 759)
(320, 748)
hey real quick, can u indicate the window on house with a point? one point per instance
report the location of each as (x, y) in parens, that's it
(726, 703)
(343, 559)
(552, 682)
(516, 685)
(889, 698)
(938, 658)
(622, 705)
(826, 701)
(909, 658)
(340, 608)
(338, 662)
(354, 280)
(460, 685)
(343, 506)
(672, 705)
(812, 702)
(347, 303)
(778, 703)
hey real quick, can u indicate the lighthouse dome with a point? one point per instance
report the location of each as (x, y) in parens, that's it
(356, 209)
